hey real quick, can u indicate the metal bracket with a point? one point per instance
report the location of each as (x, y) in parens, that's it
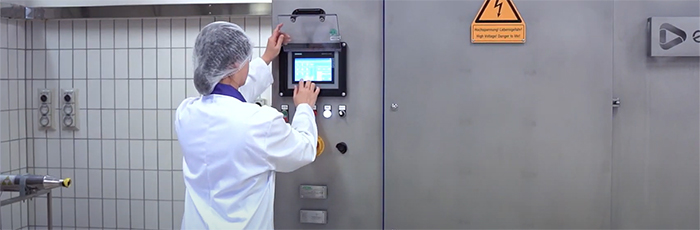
(23, 186)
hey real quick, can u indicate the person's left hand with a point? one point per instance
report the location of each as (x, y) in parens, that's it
(274, 44)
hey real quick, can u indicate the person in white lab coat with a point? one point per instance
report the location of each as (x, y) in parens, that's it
(232, 148)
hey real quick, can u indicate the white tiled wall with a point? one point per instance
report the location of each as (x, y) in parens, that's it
(13, 110)
(131, 74)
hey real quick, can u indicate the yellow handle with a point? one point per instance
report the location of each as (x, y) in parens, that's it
(321, 146)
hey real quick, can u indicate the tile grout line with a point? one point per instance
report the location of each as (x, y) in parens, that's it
(7, 38)
(46, 83)
(157, 128)
(170, 124)
(102, 172)
(143, 129)
(87, 123)
(60, 130)
(28, 121)
(128, 115)
(114, 98)
(75, 202)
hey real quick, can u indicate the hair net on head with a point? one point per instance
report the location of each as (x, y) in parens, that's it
(221, 49)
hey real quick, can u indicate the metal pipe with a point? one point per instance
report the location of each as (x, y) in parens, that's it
(14, 183)
(23, 198)
(49, 211)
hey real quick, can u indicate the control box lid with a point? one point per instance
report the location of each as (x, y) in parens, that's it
(306, 29)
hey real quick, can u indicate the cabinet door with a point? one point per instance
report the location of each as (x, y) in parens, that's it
(656, 129)
(501, 136)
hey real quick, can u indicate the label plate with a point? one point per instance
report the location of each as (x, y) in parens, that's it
(313, 216)
(313, 192)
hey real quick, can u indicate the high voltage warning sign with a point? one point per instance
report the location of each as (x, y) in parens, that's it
(498, 21)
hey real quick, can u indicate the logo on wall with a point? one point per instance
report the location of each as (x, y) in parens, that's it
(673, 36)
(665, 31)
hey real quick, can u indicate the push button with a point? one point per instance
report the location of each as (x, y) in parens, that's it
(285, 112)
(342, 147)
(341, 110)
(327, 111)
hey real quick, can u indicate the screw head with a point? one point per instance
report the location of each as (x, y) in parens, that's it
(394, 106)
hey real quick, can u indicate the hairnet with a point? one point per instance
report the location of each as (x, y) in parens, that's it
(221, 49)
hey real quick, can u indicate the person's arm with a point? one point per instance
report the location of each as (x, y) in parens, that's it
(289, 148)
(259, 78)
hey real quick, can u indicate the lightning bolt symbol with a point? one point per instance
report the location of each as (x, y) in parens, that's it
(499, 5)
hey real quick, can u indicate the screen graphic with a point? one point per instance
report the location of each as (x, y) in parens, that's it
(313, 69)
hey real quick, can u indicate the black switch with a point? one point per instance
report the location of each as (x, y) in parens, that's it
(342, 147)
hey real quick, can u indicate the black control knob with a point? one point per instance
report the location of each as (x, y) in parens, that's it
(67, 98)
(44, 98)
(342, 147)
(341, 113)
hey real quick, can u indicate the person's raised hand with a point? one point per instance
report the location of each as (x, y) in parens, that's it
(274, 44)
(306, 92)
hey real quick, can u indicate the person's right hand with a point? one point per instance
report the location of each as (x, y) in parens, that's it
(306, 92)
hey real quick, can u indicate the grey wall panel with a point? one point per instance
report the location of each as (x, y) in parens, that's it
(354, 179)
(656, 129)
(498, 136)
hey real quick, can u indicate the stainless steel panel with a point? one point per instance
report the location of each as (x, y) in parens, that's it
(498, 136)
(656, 129)
(674, 36)
(134, 11)
(354, 179)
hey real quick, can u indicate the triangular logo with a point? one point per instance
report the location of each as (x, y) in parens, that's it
(498, 21)
(498, 11)
(664, 40)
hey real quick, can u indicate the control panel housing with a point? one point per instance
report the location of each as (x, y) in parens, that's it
(326, 68)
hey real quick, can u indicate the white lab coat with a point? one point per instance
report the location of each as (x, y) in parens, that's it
(231, 151)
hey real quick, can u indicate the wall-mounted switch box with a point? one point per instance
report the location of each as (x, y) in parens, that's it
(69, 109)
(45, 118)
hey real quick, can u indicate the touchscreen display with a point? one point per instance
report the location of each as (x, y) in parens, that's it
(313, 69)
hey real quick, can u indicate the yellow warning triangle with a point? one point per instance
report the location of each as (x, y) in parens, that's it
(498, 11)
